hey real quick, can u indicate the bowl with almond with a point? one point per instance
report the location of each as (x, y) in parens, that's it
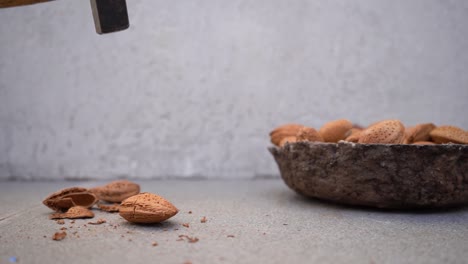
(384, 165)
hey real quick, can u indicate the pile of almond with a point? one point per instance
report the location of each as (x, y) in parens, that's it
(76, 202)
(384, 132)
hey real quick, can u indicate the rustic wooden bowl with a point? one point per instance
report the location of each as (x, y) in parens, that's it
(377, 175)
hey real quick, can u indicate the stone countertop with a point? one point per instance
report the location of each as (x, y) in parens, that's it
(259, 221)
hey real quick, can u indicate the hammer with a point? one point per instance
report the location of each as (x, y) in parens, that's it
(109, 15)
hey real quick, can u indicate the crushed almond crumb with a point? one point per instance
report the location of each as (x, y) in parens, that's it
(59, 236)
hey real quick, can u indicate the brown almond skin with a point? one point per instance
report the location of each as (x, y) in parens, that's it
(69, 197)
(308, 134)
(147, 208)
(384, 132)
(447, 134)
(284, 131)
(335, 131)
(290, 139)
(116, 191)
(419, 132)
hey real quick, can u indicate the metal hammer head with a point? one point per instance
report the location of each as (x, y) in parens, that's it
(109, 15)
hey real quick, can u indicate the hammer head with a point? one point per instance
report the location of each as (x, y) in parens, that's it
(109, 15)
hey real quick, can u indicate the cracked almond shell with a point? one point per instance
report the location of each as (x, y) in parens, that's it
(69, 197)
(147, 208)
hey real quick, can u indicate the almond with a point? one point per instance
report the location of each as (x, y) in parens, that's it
(353, 135)
(335, 131)
(147, 208)
(284, 131)
(384, 132)
(116, 191)
(423, 143)
(69, 197)
(446, 134)
(308, 134)
(419, 132)
(290, 139)
(73, 213)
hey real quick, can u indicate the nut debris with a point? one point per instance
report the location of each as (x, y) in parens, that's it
(203, 220)
(98, 222)
(187, 225)
(189, 239)
(59, 236)
(110, 208)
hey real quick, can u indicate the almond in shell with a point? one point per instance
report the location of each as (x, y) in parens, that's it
(447, 134)
(283, 131)
(147, 208)
(335, 131)
(308, 134)
(424, 143)
(419, 132)
(353, 135)
(384, 132)
(116, 191)
(289, 139)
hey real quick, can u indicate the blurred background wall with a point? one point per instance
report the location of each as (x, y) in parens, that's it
(193, 88)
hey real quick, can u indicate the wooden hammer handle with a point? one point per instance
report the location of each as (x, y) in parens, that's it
(11, 3)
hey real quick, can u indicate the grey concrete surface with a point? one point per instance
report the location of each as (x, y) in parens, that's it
(268, 222)
(193, 88)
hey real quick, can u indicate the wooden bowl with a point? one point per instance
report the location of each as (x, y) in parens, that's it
(377, 175)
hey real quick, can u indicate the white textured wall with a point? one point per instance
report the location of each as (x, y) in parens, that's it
(193, 87)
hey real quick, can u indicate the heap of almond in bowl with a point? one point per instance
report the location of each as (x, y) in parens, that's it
(383, 132)
(385, 165)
